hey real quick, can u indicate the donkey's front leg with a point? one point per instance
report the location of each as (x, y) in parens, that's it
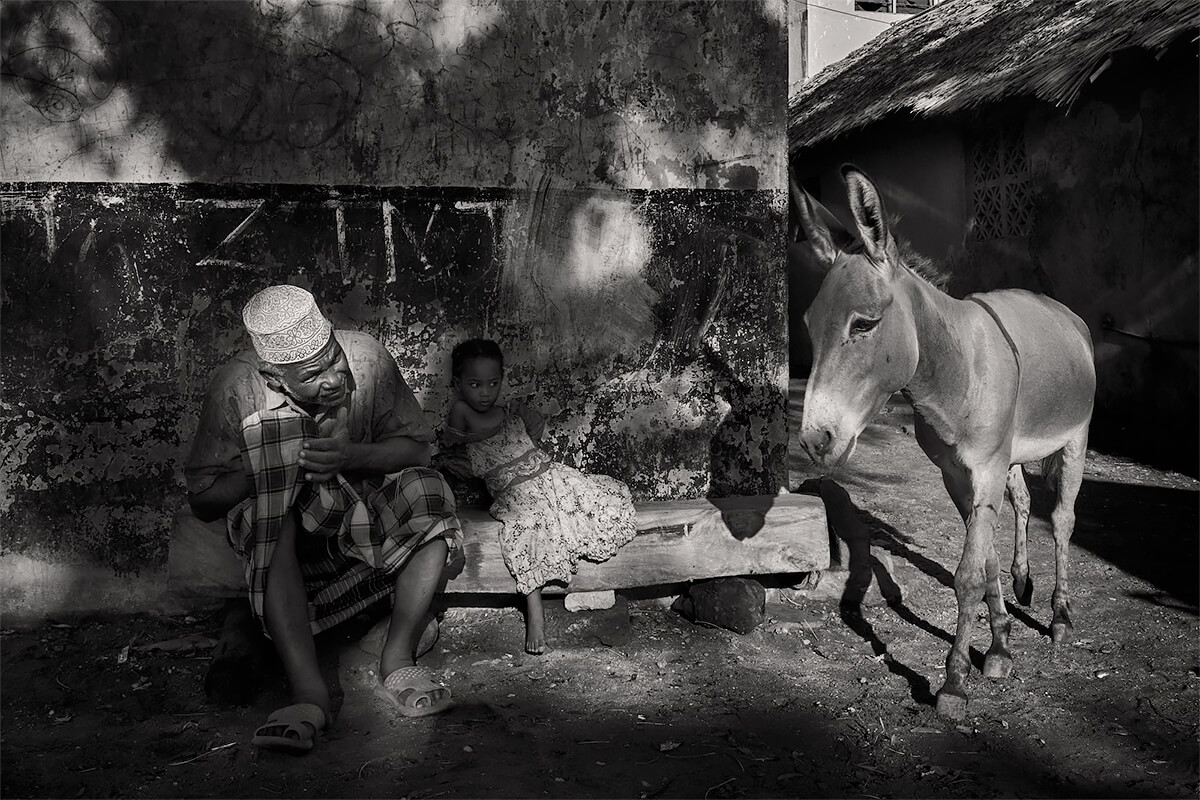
(977, 578)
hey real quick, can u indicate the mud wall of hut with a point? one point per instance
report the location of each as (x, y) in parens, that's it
(1118, 184)
(599, 186)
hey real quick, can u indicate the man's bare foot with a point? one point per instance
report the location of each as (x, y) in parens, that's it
(535, 624)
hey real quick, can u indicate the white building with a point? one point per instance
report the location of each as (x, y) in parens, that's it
(824, 31)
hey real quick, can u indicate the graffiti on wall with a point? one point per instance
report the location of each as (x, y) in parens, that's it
(60, 59)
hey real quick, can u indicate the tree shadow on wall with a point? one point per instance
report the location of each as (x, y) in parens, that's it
(371, 92)
(743, 460)
(573, 285)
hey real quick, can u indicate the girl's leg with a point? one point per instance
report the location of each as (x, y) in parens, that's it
(535, 623)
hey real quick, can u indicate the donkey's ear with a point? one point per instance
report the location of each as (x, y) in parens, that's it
(867, 207)
(814, 224)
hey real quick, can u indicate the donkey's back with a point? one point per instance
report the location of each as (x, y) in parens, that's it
(1057, 370)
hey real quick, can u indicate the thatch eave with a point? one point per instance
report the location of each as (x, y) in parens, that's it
(966, 54)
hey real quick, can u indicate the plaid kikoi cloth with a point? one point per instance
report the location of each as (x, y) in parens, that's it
(352, 541)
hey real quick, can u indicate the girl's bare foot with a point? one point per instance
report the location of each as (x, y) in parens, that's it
(535, 624)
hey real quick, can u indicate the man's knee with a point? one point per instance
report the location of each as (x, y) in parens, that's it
(422, 475)
(425, 487)
(438, 547)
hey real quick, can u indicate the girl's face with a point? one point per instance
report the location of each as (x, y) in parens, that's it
(479, 383)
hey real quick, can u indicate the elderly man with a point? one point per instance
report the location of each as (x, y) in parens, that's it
(314, 450)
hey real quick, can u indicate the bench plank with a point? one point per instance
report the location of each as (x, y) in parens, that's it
(679, 540)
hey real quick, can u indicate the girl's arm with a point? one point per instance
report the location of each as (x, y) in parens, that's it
(457, 418)
(535, 423)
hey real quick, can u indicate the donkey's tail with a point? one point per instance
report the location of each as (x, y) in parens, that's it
(1052, 466)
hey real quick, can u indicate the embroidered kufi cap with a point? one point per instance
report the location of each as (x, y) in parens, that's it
(285, 324)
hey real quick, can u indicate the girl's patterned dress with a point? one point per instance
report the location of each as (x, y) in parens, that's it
(553, 514)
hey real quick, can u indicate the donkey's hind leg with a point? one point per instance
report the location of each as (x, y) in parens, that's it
(1069, 464)
(997, 662)
(1018, 496)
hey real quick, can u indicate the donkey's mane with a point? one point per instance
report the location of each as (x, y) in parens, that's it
(921, 265)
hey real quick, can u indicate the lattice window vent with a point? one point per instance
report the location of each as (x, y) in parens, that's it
(1001, 194)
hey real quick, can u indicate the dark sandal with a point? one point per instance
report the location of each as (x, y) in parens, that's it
(291, 729)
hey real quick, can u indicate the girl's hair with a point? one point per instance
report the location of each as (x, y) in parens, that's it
(474, 348)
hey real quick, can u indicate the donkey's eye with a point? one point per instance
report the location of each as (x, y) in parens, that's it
(862, 325)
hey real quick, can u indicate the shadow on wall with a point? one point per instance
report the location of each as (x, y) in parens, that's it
(574, 277)
(428, 92)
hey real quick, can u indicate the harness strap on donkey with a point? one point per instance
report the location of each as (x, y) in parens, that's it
(1007, 337)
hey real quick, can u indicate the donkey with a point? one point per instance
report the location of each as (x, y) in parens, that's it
(996, 380)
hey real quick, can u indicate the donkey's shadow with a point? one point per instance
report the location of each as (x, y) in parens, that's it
(852, 532)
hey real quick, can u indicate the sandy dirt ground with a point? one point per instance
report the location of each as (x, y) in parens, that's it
(819, 701)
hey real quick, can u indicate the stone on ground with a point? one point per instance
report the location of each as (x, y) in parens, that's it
(737, 604)
(590, 601)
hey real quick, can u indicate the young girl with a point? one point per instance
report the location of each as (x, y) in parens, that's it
(553, 514)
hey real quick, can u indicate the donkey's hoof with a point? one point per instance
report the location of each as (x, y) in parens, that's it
(1023, 590)
(1060, 631)
(997, 665)
(951, 704)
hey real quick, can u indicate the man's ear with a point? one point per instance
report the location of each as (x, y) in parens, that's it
(273, 377)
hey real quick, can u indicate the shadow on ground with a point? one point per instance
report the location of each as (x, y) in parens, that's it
(1152, 532)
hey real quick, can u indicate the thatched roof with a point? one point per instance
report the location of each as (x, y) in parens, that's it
(963, 54)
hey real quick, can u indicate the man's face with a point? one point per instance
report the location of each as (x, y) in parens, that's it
(322, 380)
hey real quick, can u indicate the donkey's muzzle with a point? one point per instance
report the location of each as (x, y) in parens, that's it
(816, 443)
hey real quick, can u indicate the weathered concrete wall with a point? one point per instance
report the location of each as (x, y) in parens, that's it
(596, 185)
(415, 93)
(1115, 202)
(653, 326)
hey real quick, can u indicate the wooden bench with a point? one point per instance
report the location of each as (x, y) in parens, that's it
(678, 541)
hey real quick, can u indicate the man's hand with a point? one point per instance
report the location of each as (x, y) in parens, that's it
(322, 459)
